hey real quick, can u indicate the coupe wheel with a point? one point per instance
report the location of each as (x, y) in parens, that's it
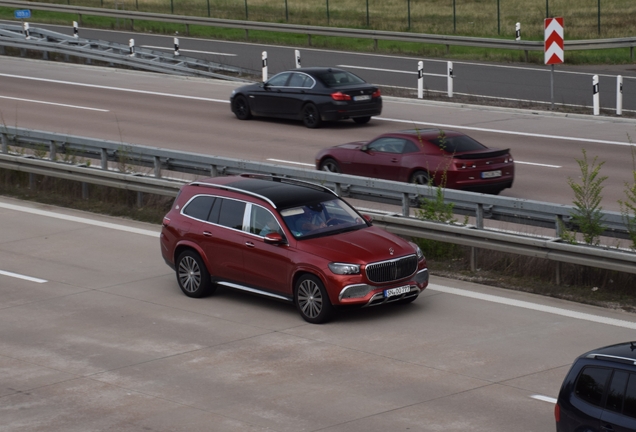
(330, 165)
(421, 178)
(362, 120)
(192, 276)
(311, 116)
(241, 108)
(312, 300)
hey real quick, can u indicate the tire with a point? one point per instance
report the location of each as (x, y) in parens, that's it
(311, 116)
(192, 276)
(241, 108)
(421, 177)
(330, 165)
(362, 120)
(312, 300)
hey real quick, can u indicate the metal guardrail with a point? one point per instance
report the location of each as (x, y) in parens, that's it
(467, 235)
(376, 35)
(113, 53)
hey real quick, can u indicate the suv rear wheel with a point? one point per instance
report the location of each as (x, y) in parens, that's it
(312, 300)
(192, 276)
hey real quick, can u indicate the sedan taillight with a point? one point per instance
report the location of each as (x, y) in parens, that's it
(376, 93)
(339, 96)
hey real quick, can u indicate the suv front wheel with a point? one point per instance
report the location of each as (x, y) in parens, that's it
(312, 300)
(192, 276)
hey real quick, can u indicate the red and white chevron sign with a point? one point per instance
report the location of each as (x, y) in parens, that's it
(553, 40)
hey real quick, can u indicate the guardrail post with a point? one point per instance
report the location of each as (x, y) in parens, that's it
(53, 150)
(309, 39)
(104, 159)
(132, 24)
(264, 61)
(420, 79)
(31, 181)
(406, 208)
(5, 143)
(479, 216)
(214, 172)
(450, 79)
(84, 190)
(140, 199)
(619, 95)
(595, 96)
(187, 29)
(338, 189)
(157, 167)
(375, 44)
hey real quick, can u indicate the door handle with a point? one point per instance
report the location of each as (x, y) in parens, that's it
(394, 160)
(249, 244)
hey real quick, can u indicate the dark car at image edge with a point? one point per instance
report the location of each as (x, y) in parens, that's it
(288, 240)
(313, 95)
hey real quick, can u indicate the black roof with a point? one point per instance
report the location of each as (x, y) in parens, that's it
(284, 193)
(626, 350)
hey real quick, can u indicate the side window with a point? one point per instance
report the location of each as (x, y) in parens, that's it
(232, 214)
(616, 393)
(591, 383)
(262, 222)
(199, 207)
(410, 147)
(297, 80)
(216, 210)
(629, 408)
(387, 145)
(279, 80)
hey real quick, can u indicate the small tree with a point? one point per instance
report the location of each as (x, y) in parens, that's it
(628, 206)
(587, 215)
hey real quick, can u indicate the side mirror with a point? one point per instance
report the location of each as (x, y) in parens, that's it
(367, 218)
(274, 238)
(364, 148)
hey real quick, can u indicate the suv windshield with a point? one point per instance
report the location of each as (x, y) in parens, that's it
(323, 218)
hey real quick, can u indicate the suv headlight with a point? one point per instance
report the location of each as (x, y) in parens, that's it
(344, 268)
(420, 254)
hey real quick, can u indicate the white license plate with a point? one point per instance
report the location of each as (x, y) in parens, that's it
(491, 174)
(361, 98)
(397, 291)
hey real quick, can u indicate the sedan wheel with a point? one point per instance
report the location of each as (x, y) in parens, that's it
(312, 300)
(330, 165)
(241, 108)
(192, 276)
(362, 120)
(311, 116)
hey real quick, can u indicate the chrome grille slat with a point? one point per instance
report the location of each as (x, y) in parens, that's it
(392, 270)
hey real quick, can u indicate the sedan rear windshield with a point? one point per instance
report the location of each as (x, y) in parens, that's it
(339, 78)
(458, 144)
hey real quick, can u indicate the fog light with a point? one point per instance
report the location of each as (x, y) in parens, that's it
(355, 291)
(422, 276)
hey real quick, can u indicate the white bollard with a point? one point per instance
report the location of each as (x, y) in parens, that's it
(518, 31)
(264, 57)
(176, 46)
(131, 45)
(450, 79)
(619, 95)
(420, 80)
(75, 29)
(596, 96)
(25, 26)
(297, 54)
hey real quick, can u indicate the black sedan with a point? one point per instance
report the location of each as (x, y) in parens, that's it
(313, 95)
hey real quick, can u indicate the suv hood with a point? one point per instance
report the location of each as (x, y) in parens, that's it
(358, 247)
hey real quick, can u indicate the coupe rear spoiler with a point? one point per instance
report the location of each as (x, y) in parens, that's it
(482, 154)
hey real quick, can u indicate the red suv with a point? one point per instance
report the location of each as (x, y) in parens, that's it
(289, 240)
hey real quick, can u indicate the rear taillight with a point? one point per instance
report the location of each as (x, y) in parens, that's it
(376, 93)
(339, 96)
(166, 221)
(557, 413)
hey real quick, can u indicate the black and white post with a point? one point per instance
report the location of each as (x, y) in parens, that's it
(297, 56)
(518, 31)
(619, 95)
(176, 46)
(75, 30)
(25, 27)
(131, 46)
(449, 79)
(420, 79)
(264, 58)
(596, 97)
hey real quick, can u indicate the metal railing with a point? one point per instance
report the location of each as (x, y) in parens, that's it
(629, 42)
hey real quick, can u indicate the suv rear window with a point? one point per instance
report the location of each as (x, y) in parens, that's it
(591, 383)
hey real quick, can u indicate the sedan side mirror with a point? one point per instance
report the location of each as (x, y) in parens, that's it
(364, 148)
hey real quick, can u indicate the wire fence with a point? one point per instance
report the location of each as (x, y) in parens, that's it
(584, 19)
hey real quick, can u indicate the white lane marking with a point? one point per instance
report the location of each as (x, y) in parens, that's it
(53, 103)
(19, 276)
(538, 164)
(527, 134)
(431, 287)
(79, 219)
(544, 398)
(187, 50)
(291, 162)
(115, 88)
(533, 306)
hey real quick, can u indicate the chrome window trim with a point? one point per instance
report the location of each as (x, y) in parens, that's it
(230, 188)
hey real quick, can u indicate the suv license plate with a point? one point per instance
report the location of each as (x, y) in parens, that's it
(361, 98)
(397, 291)
(491, 174)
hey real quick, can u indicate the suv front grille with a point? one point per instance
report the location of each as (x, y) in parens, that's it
(395, 269)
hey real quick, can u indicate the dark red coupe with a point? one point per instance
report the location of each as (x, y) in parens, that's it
(430, 156)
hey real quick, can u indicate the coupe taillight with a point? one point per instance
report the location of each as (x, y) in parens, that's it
(376, 93)
(557, 412)
(339, 96)
(166, 221)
